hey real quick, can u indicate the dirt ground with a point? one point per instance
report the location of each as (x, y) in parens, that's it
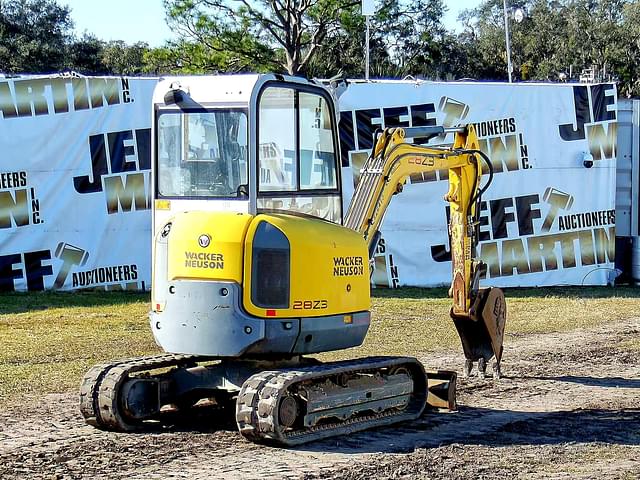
(567, 407)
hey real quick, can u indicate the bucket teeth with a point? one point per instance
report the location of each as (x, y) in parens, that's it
(482, 368)
(468, 366)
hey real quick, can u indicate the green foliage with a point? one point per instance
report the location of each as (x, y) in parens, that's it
(406, 38)
(33, 36)
(412, 32)
(342, 52)
(557, 38)
(83, 55)
(259, 35)
(119, 58)
(326, 38)
(628, 70)
(311, 37)
(36, 36)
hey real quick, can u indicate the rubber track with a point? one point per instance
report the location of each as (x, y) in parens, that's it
(99, 402)
(258, 401)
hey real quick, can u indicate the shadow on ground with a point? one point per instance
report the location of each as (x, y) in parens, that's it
(611, 382)
(469, 426)
(495, 428)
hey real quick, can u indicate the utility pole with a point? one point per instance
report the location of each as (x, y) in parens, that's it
(366, 74)
(368, 9)
(508, 42)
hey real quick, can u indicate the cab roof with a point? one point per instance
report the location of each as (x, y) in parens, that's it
(225, 89)
(209, 88)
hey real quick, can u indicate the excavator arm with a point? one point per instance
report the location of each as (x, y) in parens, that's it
(478, 314)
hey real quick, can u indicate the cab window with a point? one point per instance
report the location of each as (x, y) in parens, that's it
(297, 161)
(317, 158)
(202, 154)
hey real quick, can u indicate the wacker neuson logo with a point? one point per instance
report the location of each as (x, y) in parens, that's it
(348, 266)
(204, 260)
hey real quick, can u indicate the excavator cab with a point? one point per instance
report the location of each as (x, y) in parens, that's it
(246, 143)
(248, 201)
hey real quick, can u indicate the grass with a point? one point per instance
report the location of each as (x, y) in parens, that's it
(415, 321)
(631, 344)
(48, 340)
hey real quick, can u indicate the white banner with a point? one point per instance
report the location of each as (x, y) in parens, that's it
(548, 218)
(75, 181)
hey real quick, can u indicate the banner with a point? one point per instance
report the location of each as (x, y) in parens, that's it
(75, 181)
(548, 218)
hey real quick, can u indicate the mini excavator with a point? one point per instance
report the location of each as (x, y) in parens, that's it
(255, 267)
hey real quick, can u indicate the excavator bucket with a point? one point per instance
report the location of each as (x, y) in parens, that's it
(482, 331)
(441, 390)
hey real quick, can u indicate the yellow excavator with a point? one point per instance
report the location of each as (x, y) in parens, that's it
(256, 267)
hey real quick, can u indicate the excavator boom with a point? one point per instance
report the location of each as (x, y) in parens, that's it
(479, 314)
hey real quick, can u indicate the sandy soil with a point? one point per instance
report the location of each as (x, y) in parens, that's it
(568, 407)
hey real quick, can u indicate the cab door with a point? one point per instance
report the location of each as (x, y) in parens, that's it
(297, 152)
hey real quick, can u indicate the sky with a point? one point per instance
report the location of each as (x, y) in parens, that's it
(144, 20)
(129, 20)
(454, 8)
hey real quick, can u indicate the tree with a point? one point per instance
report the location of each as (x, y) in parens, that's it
(595, 33)
(121, 59)
(259, 35)
(33, 36)
(36, 37)
(342, 53)
(83, 55)
(483, 40)
(412, 33)
(556, 37)
(312, 37)
(629, 71)
(185, 57)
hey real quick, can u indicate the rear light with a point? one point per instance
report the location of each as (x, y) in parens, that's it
(270, 268)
